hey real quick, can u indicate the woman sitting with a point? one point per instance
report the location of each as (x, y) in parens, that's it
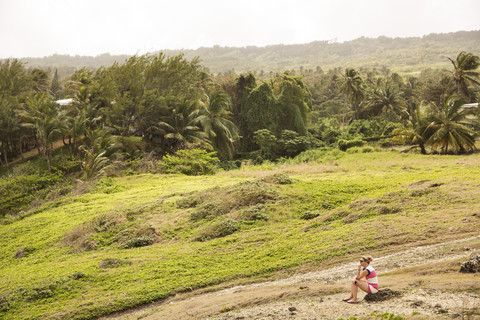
(365, 270)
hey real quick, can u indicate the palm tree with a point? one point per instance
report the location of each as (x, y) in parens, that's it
(385, 99)
(464, 71)
(98, 151)
(42, 114)
(9, 127)
(414, 131)
(221, 132)
(181, 125)
(451, 126)
(354, 88)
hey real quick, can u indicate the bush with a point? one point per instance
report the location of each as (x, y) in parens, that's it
(112, 263)
(217, 230)
(257, 212)
(215, 202)
(308, 215)
(385, 143)
(344, 145)
(192, 162)
(278, 178)
(291, 144)
(18, 192)
(138, 242)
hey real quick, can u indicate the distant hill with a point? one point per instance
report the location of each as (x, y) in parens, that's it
(404, 55)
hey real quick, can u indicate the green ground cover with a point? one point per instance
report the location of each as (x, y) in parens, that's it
(135, 239)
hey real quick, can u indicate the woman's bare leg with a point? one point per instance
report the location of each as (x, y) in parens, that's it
(354, 289)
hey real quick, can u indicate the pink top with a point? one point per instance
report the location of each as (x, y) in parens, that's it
(371, 276)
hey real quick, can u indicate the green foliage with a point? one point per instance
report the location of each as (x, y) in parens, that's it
(266, 140)
(327, 130)
(281, 178)
(256, 212)
(452, 126)
(464, 73)
(218, 202)
(308, 215)
(291, 144)
(17, 193)
(191, 162)
(110, 263)
(374, 185)
(217, 230)
(280, 105)
(343, 145)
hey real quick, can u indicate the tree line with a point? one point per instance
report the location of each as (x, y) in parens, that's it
(172, 103)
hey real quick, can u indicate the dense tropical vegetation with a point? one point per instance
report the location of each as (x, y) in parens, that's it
(79, 157)
(173, 103)
(131, 115)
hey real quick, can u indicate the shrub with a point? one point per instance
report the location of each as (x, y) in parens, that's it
(346, 144)
(291, 143)
(279, 178)
(23, 252)
(257, 212)
(219, 201)
(138, 242)
(308, 215)
(192, 162)
(18, 192)
(112, 263)
(217, 230)
(77, 275)
(385, 143)
(136, 236)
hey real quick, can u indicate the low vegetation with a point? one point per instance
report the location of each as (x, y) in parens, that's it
(154, 176)
(137, 238)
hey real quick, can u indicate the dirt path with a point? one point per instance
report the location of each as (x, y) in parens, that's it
(318, 295)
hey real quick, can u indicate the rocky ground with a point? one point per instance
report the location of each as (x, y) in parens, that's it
(319, 294)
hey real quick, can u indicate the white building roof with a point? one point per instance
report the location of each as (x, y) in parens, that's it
(64, 102)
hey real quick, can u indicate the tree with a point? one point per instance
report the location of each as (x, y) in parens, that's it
(40, 80)
(9, 126)
(55, 87)
(464, 71)
(214, 120)
(277, 105)
(385, 99)
(452, 126)
(353, 87)
(98, 150)
(181, 125)
(43, 115)
(14, 80)
(414, 132)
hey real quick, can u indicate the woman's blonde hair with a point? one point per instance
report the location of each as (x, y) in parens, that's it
(367, 259)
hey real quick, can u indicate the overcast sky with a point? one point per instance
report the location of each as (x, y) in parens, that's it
(36, 28)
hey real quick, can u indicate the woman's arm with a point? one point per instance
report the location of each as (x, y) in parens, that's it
(361, 274)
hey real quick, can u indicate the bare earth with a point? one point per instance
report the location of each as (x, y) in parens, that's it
(319, 294)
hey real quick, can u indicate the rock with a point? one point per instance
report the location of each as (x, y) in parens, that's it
(417, 303)
(441, 311)
(382, 295)
(291, 309)
(472, 265)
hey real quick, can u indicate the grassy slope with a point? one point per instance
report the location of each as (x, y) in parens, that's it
(374, 202)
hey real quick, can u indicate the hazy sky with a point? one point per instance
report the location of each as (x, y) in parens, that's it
(38, 28)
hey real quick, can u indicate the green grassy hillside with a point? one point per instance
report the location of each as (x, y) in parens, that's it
(134, 239)
(403, 55)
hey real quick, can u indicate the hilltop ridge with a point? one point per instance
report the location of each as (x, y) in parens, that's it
(405, 55)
